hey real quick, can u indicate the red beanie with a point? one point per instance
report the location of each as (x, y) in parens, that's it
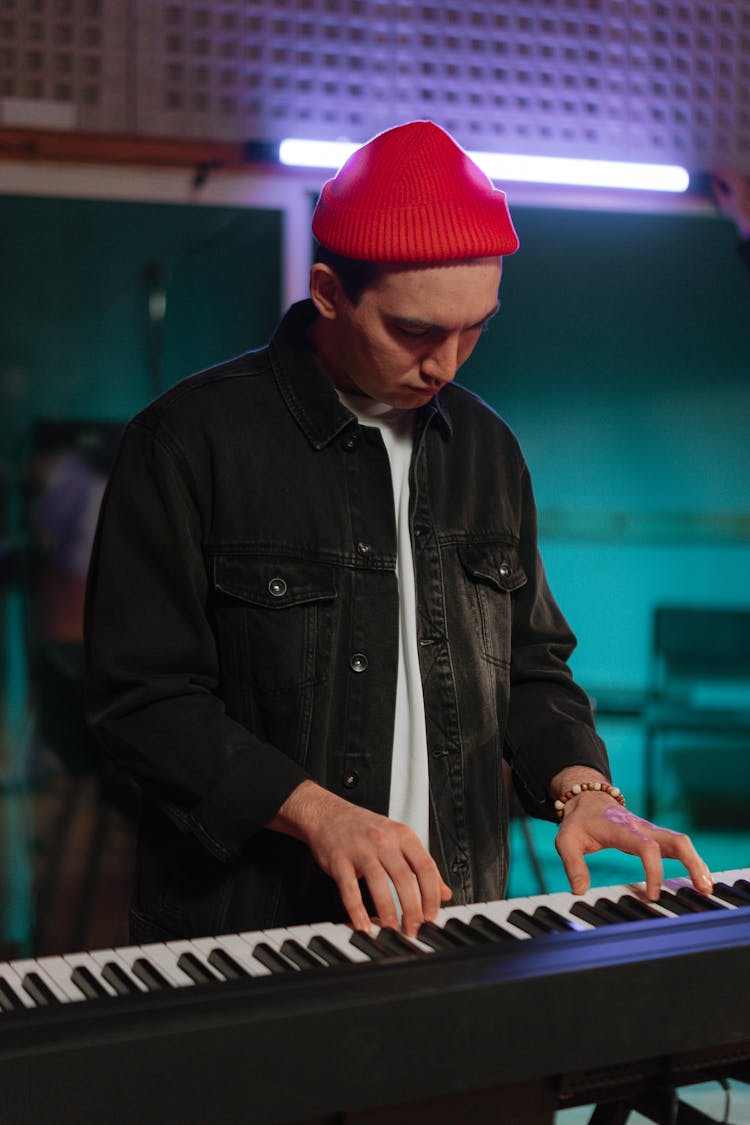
(412, 194)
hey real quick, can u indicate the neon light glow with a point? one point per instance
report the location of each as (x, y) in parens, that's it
(525, 169)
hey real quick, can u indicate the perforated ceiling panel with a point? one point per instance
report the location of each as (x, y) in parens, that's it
(65, 62)
(630, 79)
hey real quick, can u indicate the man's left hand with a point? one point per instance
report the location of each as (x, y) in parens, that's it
(593, 820)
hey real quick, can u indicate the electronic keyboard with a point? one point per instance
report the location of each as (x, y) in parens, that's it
(531, 1003)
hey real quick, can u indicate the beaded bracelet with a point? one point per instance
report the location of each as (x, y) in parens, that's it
(591, 786)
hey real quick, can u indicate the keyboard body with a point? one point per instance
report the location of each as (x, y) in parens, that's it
(538, 1022)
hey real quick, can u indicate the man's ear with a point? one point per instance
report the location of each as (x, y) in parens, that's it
(325, 290)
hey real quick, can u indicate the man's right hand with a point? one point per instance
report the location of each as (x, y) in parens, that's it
(351, 843)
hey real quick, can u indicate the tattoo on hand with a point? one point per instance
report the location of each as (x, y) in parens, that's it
(629, 820)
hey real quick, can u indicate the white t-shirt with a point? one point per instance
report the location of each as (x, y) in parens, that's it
(409, 797)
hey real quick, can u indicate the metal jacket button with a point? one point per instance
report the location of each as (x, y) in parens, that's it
(350, 779)
(277, 587)
(504, 569)
(350, 442)
(364, 548)
(358, 662)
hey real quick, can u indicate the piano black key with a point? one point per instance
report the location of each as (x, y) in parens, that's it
(39, 990)
(225, 964)
(149, 975)
(439, 940)
(636, 909)
(491, 929)
(303, 958)
(399, 943)
(553, 919)
(590, 914)
(468, 935)
(371, 946)
(742, 885)
(731, 894)
(611, 910)
(327, 951)
(689, 894)
(676, 905)
(535, 927)
(197, 970)
(9, 1001)
(117, 978)
(85, 980)
(272, 959)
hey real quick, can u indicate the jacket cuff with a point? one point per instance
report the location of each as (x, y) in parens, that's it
(234, 810)
(538, 763)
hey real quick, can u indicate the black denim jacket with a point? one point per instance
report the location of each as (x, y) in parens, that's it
(242, 626)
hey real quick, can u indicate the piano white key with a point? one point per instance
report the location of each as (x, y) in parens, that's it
(163, 959)
(129, 954)
(559, 901)
(233, 944)
(674, 884)
(422, 945)
(173, 950)
(88, 961)
(731, 876)
(638, 890)
(567, 900)
(274, 938)
(103, 957)
(241, 950)
(498, 912)
(338, 933)
(31, 965)
(11, 977)
(59, 969)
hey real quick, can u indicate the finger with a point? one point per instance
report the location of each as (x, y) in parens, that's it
(430, 885)
(409, 895)
(351, 897)
(570, 849)
(636, 836)
(677, 845)
(376, 878)
(650, 852)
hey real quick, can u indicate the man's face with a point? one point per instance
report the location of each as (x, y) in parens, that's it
(411, 330)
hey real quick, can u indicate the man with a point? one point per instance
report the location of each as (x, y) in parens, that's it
(317, 617)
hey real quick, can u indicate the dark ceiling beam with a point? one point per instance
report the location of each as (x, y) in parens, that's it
(107, 148)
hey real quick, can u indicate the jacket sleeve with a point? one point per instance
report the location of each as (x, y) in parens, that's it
(153, 692)
(550, 723)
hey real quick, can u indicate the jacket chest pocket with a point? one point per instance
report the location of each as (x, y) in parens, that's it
(492, 573)
(275, 620)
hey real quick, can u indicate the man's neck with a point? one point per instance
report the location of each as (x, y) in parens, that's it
(324, 347)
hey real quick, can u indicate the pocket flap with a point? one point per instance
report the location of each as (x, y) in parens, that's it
(273, 584)
(494, 563)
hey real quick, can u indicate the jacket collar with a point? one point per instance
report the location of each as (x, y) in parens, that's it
(307, 392)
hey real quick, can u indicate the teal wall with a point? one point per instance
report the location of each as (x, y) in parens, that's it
(621, 358)
(76, 337)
